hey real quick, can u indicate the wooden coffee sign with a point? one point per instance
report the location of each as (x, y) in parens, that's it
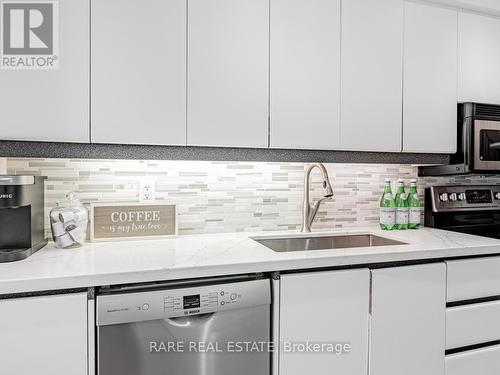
(127, 221)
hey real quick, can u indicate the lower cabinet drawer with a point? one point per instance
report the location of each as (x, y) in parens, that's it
(472, 324)
(473, 278)
(484, 361)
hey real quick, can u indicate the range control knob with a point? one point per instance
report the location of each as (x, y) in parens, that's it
(443, 197)
(453, 197)
(462, 197)
(497, 195)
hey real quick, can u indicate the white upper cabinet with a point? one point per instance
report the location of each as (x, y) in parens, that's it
(50, 104)
(430, 79)
(372, 54)
(305, 74)
(228, 73)
(325, 307)
(139, 71)
(479, 58)
(408, 320)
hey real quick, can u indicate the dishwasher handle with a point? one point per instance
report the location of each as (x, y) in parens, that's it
(188, 321)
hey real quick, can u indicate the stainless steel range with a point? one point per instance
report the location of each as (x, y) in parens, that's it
(211, 327)
(467, 209)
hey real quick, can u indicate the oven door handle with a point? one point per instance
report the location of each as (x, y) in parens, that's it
(495, 145)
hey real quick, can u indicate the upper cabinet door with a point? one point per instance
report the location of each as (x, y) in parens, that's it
(430, 79)
(139, 71)
(372, 56)
(48, 104)
(478, 58)
(228, 73)
(305, 74)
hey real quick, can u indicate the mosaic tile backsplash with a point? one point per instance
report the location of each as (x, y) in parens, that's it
(214, 197)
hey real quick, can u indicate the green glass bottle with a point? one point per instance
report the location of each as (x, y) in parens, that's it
(414, 206)
(401, 206)
(387, 208)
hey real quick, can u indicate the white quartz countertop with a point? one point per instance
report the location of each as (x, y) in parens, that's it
(194, 256)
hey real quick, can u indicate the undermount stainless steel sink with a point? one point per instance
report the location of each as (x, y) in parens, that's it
(285, 244)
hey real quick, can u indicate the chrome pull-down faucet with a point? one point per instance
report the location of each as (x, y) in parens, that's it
(309, 211)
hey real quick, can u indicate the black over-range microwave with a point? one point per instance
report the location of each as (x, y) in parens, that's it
(478, 148)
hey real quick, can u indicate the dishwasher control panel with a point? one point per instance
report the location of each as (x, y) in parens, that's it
(180, 302)
(209, 301)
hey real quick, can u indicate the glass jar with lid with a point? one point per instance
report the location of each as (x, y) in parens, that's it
(68, 222)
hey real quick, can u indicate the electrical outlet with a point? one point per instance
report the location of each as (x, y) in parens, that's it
(147, 191)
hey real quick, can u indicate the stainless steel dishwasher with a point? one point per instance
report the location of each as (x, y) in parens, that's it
(212, 327)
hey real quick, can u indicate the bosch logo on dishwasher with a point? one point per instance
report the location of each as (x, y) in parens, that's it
(29, 35)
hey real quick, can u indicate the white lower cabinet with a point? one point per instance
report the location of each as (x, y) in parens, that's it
(469, 324)
(44, 335)
(322, 308)
(485, 361)
(472, 324)
(473, 278)
(483, 6)
(408, 320)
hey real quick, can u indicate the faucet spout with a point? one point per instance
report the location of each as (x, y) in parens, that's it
(309, 211)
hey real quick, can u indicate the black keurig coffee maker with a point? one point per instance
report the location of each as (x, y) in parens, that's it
(21, 217)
